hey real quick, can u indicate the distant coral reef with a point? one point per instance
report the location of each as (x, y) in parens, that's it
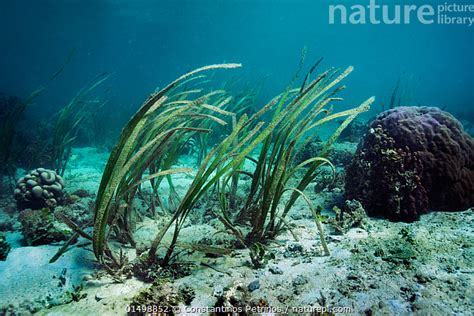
(353, 132)
(411, 161)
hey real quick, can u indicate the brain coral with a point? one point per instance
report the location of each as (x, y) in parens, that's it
(40, 188)
(413, 160)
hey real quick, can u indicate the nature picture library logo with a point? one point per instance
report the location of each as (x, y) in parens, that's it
(389, 12)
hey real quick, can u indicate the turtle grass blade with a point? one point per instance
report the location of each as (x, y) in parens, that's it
(69, 119)
(204, 181)
(127, 143)
(116, 157)
(314, 165)
(316, 219)
(219, 162)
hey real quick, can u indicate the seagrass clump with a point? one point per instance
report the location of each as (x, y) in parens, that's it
(270, 138)
(148, 143)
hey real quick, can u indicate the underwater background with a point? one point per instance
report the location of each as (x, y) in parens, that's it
(146, 43)
(235, 156)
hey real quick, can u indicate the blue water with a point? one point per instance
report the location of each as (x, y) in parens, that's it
(147, 43)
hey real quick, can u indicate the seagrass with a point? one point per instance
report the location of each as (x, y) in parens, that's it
(136, 150)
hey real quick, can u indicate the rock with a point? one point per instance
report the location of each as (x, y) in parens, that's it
(39, 227)
(4, 248)
(7, 222)
(163, 294)
(300, 280)
(295, 247)
(421, 278)
(283, 298)
(351, 216)
(71, 199)
(254, 285)
(99, 296)
(274, 269)
(81, 193)
(218, 291)
(293, 250)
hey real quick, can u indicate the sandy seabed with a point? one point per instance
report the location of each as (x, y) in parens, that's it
(424, 267)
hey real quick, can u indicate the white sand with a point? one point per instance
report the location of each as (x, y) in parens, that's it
(438, 279)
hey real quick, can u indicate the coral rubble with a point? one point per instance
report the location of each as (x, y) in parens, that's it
(39, 227)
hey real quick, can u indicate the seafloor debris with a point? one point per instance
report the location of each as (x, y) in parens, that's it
(40, 188)
(412, 160)
(4, 248)
(39, 227)
(237, 297)
(352, 215)
(162, 297)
